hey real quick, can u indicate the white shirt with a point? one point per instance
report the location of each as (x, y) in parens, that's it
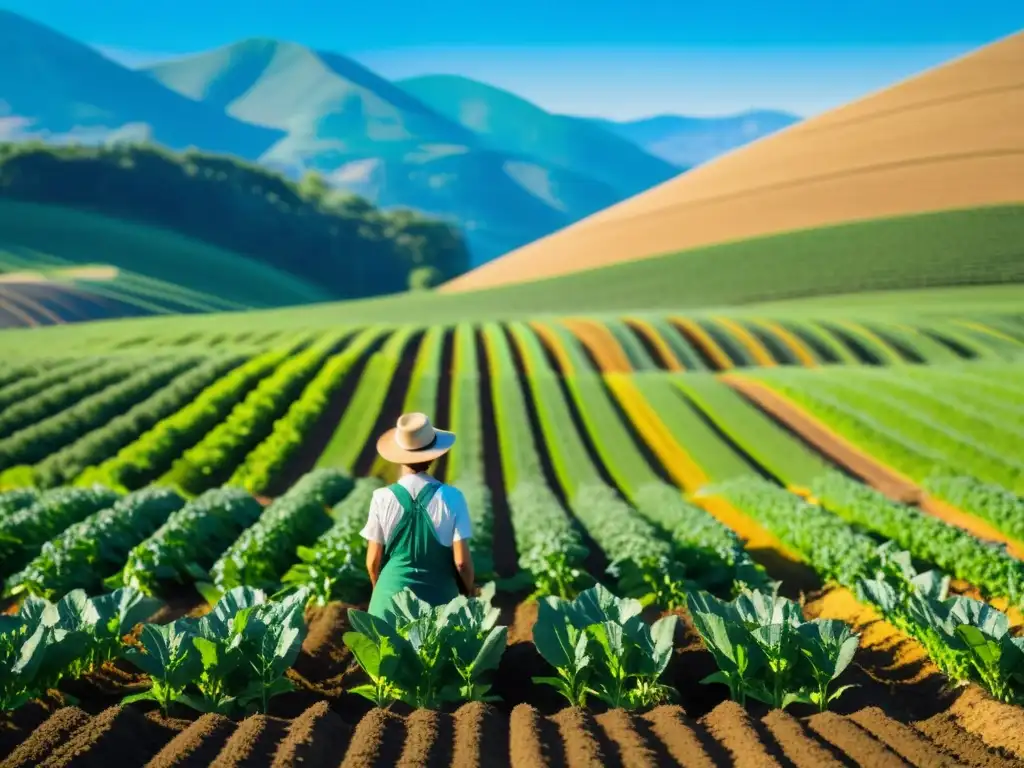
(447, 510)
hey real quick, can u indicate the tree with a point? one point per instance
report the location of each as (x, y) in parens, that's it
(424, 278)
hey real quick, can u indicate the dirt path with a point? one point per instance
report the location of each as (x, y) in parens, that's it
(876, 474)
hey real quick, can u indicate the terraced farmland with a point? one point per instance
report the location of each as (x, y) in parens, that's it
(867, 466)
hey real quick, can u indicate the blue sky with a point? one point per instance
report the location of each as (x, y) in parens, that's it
(616, 59)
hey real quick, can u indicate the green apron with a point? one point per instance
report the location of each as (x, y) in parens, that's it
(414, 557)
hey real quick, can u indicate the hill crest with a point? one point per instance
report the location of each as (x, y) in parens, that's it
(951, 137)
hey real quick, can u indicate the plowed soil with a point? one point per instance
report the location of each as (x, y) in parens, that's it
(910, 720)
(900, 713)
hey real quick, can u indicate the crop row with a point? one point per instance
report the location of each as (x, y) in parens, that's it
(899, 434)
(47, 436)
(927, 538)
(52, 399)
(34, 380)
(968, 640)
(705, 552)
(62, 466)
(467, 473)
(548, 543)
(212, 460)
(152, 453)
(263, 467)
(362, 411)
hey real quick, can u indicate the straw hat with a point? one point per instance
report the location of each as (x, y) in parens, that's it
(414, 440)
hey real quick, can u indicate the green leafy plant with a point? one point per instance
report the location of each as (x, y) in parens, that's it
(24, 531)
(89, 550)
(333, 568)
(766, 651)
(425, 655)
(599, 645)
(966, 638)
(231, 661)
(187, 545)
(45, 641)
(261, 555)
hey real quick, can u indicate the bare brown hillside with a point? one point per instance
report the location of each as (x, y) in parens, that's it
(952, 137)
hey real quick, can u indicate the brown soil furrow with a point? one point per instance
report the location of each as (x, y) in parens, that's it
(875, 473)
(947, 734)
(534, 741)
(197, 745)
(685, 741)
(116, 736)
(998, 725)
(799, 747)
(46, 738)
(316, 737)
(837, 448)
(852, 740)
(324, 657)
(525, 617)
(902, 740)
(733, 728)
(583, 747)
(428, 740)
(481, 737)
(620, 729)
(377, 741)
(252, 743)
(886, 655)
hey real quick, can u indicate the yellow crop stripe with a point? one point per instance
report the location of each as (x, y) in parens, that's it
(982, 328)
(684, 470)
(791, 340)
(603, 346)
(671, 362)
(761, 355)
(550, 338)
(708, 344)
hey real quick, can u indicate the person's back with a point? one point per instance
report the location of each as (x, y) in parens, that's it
(418, 528)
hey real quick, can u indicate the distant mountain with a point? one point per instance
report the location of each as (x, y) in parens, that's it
(505, 171)
(414, 144)
(54, 88)
(690, 141)
(508, 123)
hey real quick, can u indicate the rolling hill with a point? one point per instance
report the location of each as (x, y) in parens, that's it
(690, 141)
(508, 123)
(383, 141)
(951, 138)
(55, 88)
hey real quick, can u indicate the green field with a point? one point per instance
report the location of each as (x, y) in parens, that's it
(612, 451)
(40, 236)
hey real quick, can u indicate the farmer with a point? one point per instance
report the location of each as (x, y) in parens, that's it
(418, 529)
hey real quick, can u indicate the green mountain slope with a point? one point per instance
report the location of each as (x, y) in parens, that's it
(511, 124)
(56, 88)
(369, 136)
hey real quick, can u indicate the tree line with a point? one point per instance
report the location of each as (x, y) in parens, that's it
(336, 240)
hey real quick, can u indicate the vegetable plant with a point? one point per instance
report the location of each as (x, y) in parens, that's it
(263, 552)
(24, 531)
(46, 641)
(766, 651)
(231, 661)
(85, 553)
(333, 568)
(967, 639)
(599, 645)
(425, 655)
(186, 546)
